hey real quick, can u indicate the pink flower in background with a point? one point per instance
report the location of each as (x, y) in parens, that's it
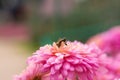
(104, 75)
(113, 70)
(32, 73)
(108, 41)
(114, 67)
(68, 60)
(110, 71)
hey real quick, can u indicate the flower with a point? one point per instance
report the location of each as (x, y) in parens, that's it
(112, 71)
(108, 41)
(32, 72)
(114, 67)
(68, 61)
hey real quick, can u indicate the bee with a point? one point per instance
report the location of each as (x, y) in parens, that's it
(60, 41)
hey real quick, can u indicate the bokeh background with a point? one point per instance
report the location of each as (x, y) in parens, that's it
(25, 25)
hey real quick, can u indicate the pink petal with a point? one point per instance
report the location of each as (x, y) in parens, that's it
(79, 69)
(58, 66)
(66, 65)
(64, 72)
(52, 71)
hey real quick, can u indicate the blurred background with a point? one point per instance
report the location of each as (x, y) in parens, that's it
(25, 25)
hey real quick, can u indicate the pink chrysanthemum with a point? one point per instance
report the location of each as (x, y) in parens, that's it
(108, 41)
(32, 72)
(110, 71)
(67, 61)
(114, 67)
(104, 75)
